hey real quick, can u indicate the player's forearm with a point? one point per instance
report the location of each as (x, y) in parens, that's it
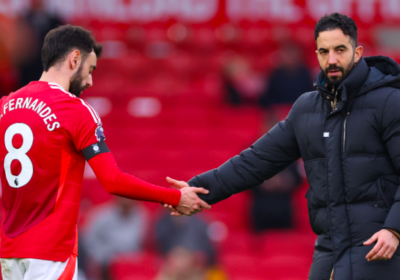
(131, 187)
(122, 184)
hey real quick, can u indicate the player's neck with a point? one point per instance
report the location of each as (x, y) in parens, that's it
(53, 76)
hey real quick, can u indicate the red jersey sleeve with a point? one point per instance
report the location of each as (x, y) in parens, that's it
(118, 183)
(85, 125)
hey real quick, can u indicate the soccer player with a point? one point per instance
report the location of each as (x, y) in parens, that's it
(46, 134)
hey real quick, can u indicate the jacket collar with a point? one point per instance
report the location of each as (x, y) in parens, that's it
(356, 78)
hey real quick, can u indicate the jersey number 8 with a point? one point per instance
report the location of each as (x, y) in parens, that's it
(23, 178)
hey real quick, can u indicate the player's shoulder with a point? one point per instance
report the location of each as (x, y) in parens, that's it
(78, 106)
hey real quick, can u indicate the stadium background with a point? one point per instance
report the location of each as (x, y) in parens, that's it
(160, 93)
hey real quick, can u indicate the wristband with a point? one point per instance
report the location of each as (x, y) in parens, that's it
(394, 232)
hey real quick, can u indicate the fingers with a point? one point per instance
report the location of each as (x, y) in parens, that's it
(176, 214)
(385, 247)
(169, 207)
(374, 251)
(190, 203)
(385, 252)
(176, 183)
(371, 240)
(390, 253)
(171, 181)
(205, 205)
(381, 254)
(188, 211)
(172, 208)
(195, 209)
(200, 190)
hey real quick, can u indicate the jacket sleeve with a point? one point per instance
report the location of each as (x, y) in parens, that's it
(391, 138)
(269, 155)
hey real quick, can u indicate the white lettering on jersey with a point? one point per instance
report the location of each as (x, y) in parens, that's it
(18, 104)
(11, 105)
(39, 107)
(49, 118)
(45, 112)
(26, 103)
(33, 104)
(54, 126)
(42, 109)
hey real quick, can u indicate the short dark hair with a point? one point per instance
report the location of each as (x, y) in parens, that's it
(337, 21)
(63, 39)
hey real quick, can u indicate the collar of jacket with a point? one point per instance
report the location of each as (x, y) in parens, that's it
(350, 85)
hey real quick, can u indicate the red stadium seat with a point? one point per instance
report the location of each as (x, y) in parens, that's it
(142, 266)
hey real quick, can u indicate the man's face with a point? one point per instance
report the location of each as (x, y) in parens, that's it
(336, 55)
(82, 79)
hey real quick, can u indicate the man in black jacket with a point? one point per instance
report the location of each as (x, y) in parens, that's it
(348, 134)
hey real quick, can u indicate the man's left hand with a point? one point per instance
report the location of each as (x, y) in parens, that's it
(386, 245)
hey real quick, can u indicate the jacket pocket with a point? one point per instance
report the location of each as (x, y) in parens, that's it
(313, 212)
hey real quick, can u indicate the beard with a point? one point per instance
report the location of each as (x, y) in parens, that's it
(334, 82)
(75, 86)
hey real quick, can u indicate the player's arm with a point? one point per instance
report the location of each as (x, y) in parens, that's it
(118, 183)
(122, 184)
(85, 127)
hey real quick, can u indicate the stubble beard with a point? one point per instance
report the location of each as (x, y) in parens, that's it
(75, 86)
(334, 82)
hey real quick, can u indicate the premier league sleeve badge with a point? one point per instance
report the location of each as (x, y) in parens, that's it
(100, 133)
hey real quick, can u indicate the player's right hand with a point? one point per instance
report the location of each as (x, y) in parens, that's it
(190, 203)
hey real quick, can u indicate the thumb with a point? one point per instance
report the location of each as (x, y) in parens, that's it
(200, 190)
(176, 183)
(371, 240)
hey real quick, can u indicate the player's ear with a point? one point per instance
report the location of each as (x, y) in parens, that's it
(75, 59)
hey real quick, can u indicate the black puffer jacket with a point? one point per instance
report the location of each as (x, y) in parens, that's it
(352, 160)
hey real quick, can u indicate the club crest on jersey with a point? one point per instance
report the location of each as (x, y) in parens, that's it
(100, 133)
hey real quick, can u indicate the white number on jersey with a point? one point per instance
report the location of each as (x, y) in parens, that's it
(18, 154)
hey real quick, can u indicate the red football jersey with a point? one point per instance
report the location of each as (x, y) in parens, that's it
(43, 130)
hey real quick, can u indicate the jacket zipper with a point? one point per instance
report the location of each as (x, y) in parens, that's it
(334, 102)
(344, 132)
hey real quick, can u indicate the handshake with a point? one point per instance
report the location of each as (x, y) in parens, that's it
(190, 203)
